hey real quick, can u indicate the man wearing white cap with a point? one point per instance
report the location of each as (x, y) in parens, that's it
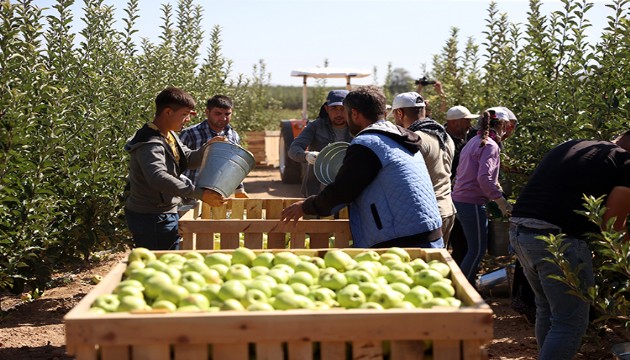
(408, 111)
(458, 123)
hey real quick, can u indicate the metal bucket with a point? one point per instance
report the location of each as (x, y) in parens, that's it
(329, 161)
(498, 237)
(497, 283)
(224, 167)
(621, 351)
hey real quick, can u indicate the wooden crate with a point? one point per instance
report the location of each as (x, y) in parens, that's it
(256, 219)
(263, 145)
(454, 333)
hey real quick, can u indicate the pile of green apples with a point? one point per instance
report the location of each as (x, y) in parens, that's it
(246, 280)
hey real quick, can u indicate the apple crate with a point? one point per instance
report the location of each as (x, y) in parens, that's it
(293, 334)
(258, 219)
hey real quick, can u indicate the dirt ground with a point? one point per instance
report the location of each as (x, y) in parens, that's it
(34, 329)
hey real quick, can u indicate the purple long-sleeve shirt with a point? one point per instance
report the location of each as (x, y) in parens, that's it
(478, 173)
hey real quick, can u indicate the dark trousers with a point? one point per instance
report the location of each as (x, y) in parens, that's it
(154, 231)
(457, 241)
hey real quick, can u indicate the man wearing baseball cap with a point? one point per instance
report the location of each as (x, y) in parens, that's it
(437, 149)
(330, 126)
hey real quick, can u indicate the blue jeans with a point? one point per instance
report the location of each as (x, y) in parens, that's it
(474, 222)
(561, 318)
(154, 231)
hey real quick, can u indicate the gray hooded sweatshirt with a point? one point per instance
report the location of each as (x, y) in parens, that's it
(154, 174)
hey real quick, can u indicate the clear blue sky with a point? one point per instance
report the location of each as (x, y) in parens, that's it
(292, 34)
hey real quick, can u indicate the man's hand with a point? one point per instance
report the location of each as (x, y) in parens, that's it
(292, 212)
(311, 156)
(212, 198)
(504, 206)
(241, 194)
(217, 138)
(438, 88)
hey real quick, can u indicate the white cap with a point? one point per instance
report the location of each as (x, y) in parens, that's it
(407, 100)
(511, 115)
(500, 113)
(460, 112)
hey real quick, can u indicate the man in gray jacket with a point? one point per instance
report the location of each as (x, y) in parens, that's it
(330, 126)
(157, 159)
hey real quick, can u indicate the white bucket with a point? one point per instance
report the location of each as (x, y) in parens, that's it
(224, 167)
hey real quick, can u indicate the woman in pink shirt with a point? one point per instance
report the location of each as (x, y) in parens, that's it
(477, 182)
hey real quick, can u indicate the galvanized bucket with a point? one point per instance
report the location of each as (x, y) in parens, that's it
(621, 351)
(497, 283)
(224, 167)
(329, 161)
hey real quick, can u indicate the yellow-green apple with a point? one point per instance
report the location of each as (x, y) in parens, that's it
(260, 307)
(385, 257)
(263, 259)
(154, 284)
(371, 305)
(287, 258)
(370, 267)
(400, 287)
(369, 255)
(164, 305)
(387, 298)
(281, 276)
(232, 304)
(128, 282)
(96, 310)
(193, 255)
(280, 288)
(441, 267)
(136, 265)
(130, 291)
(194, 265)
(435, 302)
(259, 284)
(332, 279)
(418, 295)
(131, 303)
(232, 289)
(191, 286)
(157, 265)
(243, 255)
(268, 279)
(222, 269)
(402, 253)
(141, 254)
(238, 272)
(197, 300)
(259, 270)
(358, 276)
(442, 289)
(211, 276)
(173, 293)
(211, 292)
(192, 276)
(141, 274)
(288, 301)
(323, 294)
(350, 297)
(218, 258)
(426, 277)
(369, 287)
(418, 264)
(454, 302)
(188, 308)
(338, 259)
(253, 296)
(302, 277)
(308, 267)
(107, 302)
(300, 288)
(394, 276)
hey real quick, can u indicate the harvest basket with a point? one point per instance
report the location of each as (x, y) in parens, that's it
(294, 334)
(206, 228)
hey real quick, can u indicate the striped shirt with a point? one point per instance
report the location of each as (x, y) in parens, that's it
(197, 135)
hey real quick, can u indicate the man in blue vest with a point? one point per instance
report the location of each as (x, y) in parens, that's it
(383, 180)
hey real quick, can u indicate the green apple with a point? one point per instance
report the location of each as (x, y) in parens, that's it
(136, 265)
(286, 258)
(280, 288)
(142, 274)
(173, 293)
(441, 267)
(128, 282)
(387, 298)
(281, 276)
(400, 287)
(442, 289)
(302, 277)
(174, 273)
(194, 265)
(188, 308)
(141, 254)
(253, 296)
(194, 277)
(193, 255)
(218, 258)
(192, 286)
(258, 270)
(402, 253)
(338, 259)
(369, 287)
(157, 265)
(130, 291)
(171, 258)
(211, 276)
(300, 288)
(318, 261)
(320, 305)
(418, 264)
(260, 307)
(107, 302)
(284, 267)
(358, 276)
(426, 277)
(404, 305)
(222, 269)
(164, 305)
(263, 259)
(243, 255)
(350, 297)
(131, 303)
(369, 255)
(261, 285)
(418, 295)
(435, 302)
(232, 289)
(197, 300)
(308, 267)
(385, 257)
(268, 279)
(238, 272)
(232, 304)
(370, 267)
(371, 305)
(288, 301)
(97, 310)
(453, 302)
(323, 294)
(394, 276)
(154, 284)
(211, 292)
(332, 279)
(394, 265)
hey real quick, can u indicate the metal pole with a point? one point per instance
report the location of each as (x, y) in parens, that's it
(304, 100)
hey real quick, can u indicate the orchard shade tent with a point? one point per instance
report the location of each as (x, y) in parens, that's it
(324, 73)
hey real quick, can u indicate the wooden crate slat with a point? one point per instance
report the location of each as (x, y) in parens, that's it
(230, 351)
(473, 350)
(300, 350)
(319, 241)
(254, 208)
(191, 352)
(446, 349)
(407, 350)
(253, 240)
(333, 350)
(204, 241)
(298, 240)
(230, 240)
(157, 351)
(188, 240)
(367, 349)
(238, 210)
(85, 352)
(276, 241)
(118, 352)
(268, 350)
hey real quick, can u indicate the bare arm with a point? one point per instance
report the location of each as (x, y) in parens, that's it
(618, 205)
